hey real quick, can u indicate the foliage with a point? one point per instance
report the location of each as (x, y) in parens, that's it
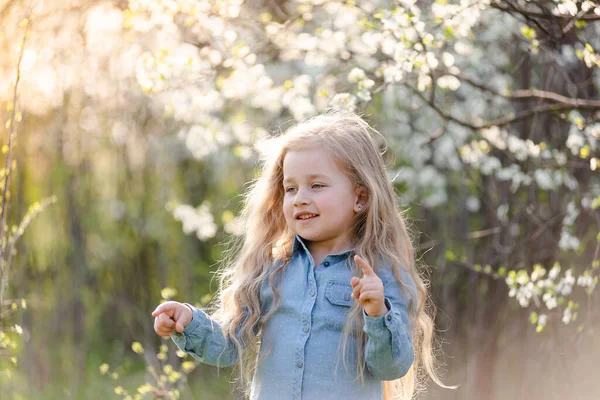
(9, 235)
(425, 66)
(165, 380)
(146, 118)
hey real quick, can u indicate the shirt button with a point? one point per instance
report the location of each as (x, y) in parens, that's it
(326, 263)
(305, 329)
(312, 292)
(389, 317)
(347, 297)
(299, 365)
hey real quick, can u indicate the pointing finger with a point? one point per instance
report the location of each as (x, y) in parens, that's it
(366, 268)
(156, 312)
(161, 308)
(167, 307)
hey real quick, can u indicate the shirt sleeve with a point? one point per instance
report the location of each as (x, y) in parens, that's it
(203, 339)
(389, 352)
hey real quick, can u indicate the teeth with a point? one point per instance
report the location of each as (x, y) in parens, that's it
(306, 216)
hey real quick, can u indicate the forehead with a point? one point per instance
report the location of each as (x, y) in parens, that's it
(310, 162)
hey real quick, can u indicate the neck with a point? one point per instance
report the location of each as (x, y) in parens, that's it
(319, 250)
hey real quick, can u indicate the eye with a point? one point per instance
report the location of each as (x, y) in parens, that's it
(317, 185)
(289, 189)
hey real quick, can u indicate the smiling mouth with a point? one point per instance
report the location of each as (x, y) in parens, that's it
(307, 217)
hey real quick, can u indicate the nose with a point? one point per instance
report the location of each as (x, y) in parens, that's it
(301, 197)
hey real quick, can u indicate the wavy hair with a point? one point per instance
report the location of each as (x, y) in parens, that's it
(379, 233)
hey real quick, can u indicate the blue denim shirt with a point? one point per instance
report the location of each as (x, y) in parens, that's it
(300, 341)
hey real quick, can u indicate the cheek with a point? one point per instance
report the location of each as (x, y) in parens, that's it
(287, 208)
(335, 202)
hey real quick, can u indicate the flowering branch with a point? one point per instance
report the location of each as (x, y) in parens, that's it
(537, 14)
(539, 109)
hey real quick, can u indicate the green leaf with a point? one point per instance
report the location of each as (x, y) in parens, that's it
(596, 204)
(533, 317)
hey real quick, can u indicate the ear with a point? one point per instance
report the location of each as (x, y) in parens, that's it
(361, 199)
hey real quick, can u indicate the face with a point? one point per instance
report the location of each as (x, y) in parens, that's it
(320, 203)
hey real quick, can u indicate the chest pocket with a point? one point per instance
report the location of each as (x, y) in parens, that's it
(339, 298)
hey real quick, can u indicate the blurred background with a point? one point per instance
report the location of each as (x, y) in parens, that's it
(144, 118)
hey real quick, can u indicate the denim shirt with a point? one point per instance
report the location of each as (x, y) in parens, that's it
(300, 341)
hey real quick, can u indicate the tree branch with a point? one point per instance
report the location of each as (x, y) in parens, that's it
(587, 104)
(513, 117)
(536, 14)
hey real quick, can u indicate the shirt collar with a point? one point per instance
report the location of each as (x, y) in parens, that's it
(299, 245)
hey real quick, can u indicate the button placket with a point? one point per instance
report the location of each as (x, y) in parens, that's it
(309, 303)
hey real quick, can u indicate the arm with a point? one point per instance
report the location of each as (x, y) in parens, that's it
(204, 340)
(389, 352)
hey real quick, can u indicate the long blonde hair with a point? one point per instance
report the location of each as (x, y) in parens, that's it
(379, 233)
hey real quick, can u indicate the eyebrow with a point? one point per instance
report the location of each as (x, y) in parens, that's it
(311, 176)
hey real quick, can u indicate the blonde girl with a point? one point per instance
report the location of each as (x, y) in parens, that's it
(325, 272)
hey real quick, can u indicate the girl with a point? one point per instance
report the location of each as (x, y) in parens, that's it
(325, 272)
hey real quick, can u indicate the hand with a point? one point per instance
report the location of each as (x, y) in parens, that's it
(368, 290)
(170, 316)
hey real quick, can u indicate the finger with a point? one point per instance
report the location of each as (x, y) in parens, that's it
(370, 295)
(366, 268)
(162, 330)
(157, 311)
(165, 321)
(368, 286)
(354, 281)
(356, 290)
(162, 308)
(179, 327)
(165, 333)
(168, 307)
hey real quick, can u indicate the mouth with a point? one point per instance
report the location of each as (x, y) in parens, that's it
(306, 216)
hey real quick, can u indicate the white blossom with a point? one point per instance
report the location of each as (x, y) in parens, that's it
(586, 281)
(473, 204)
(344, 100)
(553, 274)
(544, 180)
(568, 241)
(575, 141)
(542, 319)
(502, 212)
(199, 220)
(571, 214)
(567, 7)
(356, 75)
(449, 82)
(489, 165)
(550, 300)
(567, 316)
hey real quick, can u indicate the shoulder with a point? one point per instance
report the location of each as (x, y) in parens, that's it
(393, 273)
(397, 279)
